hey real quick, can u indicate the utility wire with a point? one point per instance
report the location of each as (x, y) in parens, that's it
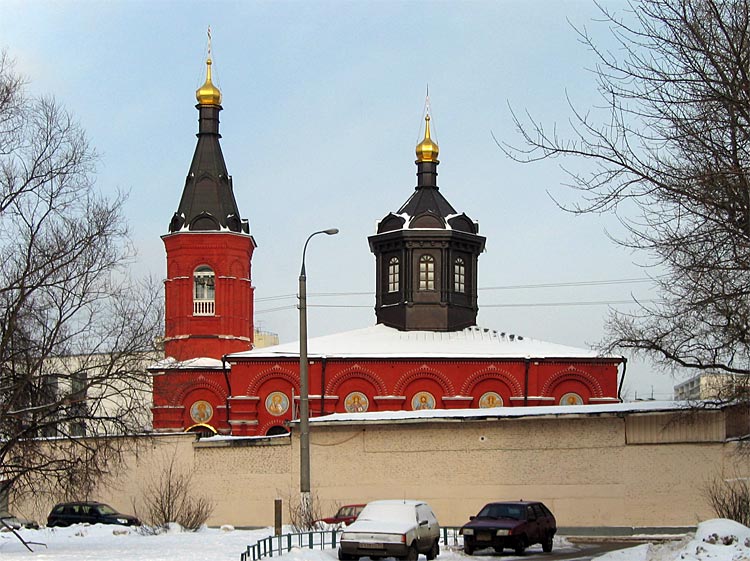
(524, 305)
(507, 287)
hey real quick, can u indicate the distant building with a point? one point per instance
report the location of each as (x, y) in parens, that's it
(425, 352)
(264, 339)
(711, 385)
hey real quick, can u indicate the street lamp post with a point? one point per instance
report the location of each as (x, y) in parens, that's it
(304, 402)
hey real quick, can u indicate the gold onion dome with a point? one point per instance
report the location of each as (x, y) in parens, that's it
(208, 94)
(427, 150)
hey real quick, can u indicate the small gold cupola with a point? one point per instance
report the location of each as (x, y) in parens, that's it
(427, 150)
(208, 94)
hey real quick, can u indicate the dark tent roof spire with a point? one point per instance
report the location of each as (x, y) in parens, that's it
(207, 202)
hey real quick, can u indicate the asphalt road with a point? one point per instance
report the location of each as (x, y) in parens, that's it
(579, 551)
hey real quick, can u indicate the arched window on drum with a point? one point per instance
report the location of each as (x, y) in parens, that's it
(459, 275)
(427, 272)
(393, 275)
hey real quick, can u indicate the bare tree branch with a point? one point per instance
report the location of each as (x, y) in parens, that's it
(669, 153)
(75, 331)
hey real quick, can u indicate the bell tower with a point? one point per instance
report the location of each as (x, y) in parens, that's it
(426, 256)
(208, 290)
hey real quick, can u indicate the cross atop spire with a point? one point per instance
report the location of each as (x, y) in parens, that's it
(208, 94)
(427, 149)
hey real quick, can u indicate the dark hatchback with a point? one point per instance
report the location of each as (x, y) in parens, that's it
(65, 514)
(511, 524)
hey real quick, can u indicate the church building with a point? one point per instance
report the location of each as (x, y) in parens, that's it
(424, 352)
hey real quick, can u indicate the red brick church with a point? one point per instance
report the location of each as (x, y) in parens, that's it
(424, 352)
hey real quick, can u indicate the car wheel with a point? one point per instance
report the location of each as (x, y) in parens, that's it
(498, 549)
(547, 543)
(434, 551)
(411, 553)
(468, 548)
(520, 546)
(345, 556)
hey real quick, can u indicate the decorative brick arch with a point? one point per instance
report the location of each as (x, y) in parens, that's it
(275, 372)
(491, 373)
(424, 372)
(235, 269)
(355, 371)
(200, 383)
(572, 373)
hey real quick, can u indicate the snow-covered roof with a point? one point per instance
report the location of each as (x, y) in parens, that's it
(508, 412)
(380, 341)
(201, 363)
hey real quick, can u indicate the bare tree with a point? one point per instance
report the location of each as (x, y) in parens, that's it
(171, 497)
(669, 154)
(729, 498)
(74, 330)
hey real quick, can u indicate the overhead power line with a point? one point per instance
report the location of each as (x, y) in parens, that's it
(506, 287)
(522, 305)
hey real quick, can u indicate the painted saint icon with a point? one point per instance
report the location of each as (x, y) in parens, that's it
(490, 399)
(277, 403)
(571, 399)
(422, 400)
(201, 411)
(356, 402)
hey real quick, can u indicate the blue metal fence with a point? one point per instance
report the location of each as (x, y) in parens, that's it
(322, 539)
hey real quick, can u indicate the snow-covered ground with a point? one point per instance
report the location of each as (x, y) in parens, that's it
(715, 540)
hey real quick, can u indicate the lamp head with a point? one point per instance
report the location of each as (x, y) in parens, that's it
(331, 231)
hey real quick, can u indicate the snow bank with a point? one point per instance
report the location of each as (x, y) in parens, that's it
(714, 540)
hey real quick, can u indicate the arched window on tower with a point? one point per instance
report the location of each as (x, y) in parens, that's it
(427, 272)
(459, 275)
(393, 277)
(203, 292)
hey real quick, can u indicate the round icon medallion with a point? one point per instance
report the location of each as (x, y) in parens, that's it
(571, 398)
(277, 403)
(356, 402)
(201, 411)
(423, 400)
(490, 399)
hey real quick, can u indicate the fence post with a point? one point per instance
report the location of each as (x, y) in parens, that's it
(277, 516)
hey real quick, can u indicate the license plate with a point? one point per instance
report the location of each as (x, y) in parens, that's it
(484, 536)
(371, 545)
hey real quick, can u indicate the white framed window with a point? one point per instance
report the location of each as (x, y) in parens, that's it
(204, 297)
(393, 275)
(459, 275)
(427, 272)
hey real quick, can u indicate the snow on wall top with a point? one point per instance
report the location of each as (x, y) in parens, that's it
(380, 341)
(508, 412)
(202, 363)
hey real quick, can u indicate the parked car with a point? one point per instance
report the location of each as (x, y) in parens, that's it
(513, 524)
(8, 521)
(344, 516)
(65, 514)
(394, 528)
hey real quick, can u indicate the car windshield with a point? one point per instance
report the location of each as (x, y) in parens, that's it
(390, 512)
(501, 511)
(106, 510)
